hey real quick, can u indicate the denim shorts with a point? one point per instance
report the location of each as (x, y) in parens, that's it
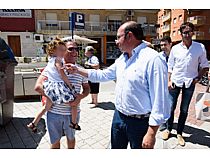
(58, 126)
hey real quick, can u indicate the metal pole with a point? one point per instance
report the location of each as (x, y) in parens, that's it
(72, 26)
(72, 30)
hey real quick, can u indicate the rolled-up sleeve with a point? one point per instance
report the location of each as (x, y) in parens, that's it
(158, 91)
(203, 60)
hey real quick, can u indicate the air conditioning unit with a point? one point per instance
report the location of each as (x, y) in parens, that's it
(48, 38)
(38, 38)
(130, 13)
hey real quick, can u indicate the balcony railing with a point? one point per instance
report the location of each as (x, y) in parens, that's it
(166, 28)
(197, 20)
(198, 35)
(166, 17)
(110, 27)
(66, 25)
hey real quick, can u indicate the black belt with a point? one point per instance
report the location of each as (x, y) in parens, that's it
(139, 116)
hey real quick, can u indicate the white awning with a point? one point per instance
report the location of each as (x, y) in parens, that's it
(80, 40)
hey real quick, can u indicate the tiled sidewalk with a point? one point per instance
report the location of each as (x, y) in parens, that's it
(95, 124)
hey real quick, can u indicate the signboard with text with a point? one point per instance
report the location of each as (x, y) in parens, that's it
(16, 13)
(77, 20)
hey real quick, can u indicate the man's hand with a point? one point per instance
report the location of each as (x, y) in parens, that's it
(148, 141)
(170, 85)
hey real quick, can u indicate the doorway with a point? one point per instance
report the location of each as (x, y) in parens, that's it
(14, 43)
(98, 47)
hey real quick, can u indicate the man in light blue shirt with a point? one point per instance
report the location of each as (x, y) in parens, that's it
(184, 60)
(165, 45)
(141, 90)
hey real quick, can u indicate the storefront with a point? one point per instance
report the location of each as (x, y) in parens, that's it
(112, 51)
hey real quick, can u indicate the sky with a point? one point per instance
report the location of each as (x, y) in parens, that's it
(104, 4)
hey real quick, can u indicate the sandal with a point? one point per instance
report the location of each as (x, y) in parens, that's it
(32, 127)
(75, 126)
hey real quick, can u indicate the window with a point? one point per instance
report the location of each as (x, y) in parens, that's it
(51, 16)
(174, 21)
(51, 19)
(141, 19)
(94, 20)
(114, 22)
(180, 18)
(174, 33)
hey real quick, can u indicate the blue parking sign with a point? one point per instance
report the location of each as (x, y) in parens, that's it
(78, 20)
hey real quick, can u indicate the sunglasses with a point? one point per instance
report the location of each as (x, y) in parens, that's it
(73, 48)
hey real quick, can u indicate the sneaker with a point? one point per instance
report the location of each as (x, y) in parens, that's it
(165, 134)
(180, 140)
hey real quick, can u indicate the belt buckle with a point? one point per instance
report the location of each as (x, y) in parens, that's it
(139, 116)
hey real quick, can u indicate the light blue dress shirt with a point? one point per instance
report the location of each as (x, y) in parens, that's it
(163, 56)
(141, 84)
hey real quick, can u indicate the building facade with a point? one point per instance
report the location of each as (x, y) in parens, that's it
(28, 31)
(169, 21)
(99, 25)
(17, 27)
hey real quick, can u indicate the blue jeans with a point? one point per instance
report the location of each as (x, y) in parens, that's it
(187, 94)
(128, 129)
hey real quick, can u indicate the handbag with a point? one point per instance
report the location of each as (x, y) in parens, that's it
(202, 105)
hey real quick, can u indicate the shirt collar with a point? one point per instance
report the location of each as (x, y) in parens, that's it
(164, 54)
(139, 47)
(184, 45)
(135, 50)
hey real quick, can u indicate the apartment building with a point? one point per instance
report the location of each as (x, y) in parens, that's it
(100, 25)
(17, 27)
(170, 20)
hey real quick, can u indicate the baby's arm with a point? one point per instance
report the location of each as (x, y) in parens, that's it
(60, 69)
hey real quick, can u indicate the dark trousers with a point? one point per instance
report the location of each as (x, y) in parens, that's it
(187, 94)
(128, 129)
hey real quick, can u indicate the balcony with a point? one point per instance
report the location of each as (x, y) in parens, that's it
(198, 35)
(197, 20)
(64, 27)
(149, 29)
(166, 17)
(166, 28)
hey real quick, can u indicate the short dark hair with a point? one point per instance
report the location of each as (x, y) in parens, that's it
(166, 38)
(136, 30)
(185, 24)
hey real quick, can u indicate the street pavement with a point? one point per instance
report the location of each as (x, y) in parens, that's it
(95, 124)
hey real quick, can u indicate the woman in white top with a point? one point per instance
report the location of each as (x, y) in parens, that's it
(92, 63)
(57, 86)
